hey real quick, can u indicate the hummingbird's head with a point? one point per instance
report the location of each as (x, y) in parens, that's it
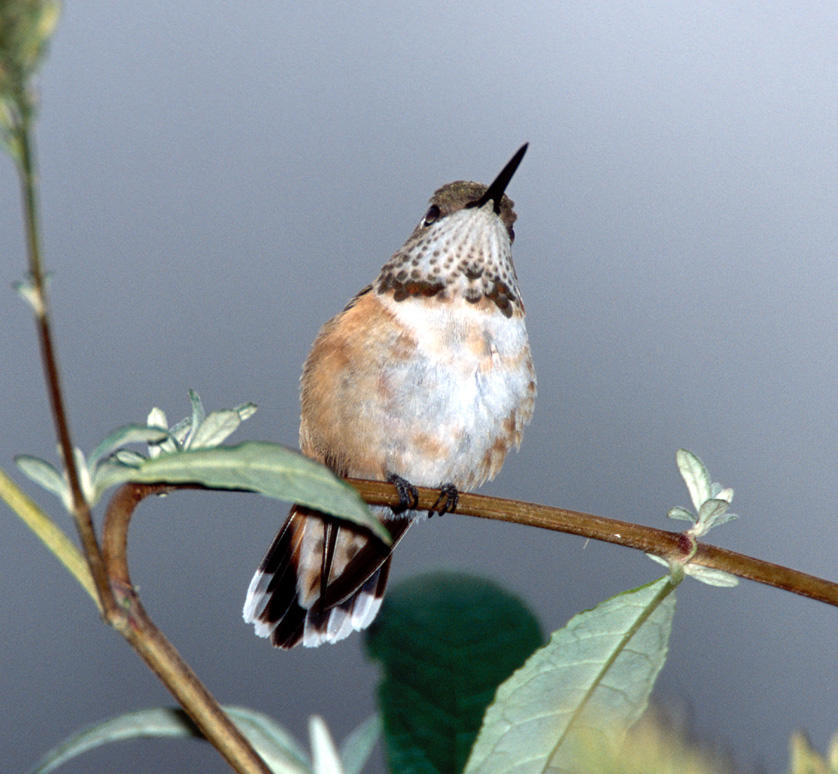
(463, 195)
(461, 247)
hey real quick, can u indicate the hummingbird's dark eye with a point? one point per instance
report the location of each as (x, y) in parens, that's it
(431, 215)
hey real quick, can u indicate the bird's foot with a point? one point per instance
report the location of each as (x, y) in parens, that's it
(446, 502)
(408, 496)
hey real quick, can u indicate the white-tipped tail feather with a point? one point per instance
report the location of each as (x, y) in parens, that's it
(318, 628)
(288, 600)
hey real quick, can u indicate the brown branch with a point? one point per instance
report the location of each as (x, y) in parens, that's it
(120, 606)
(132, 621)
(80, 506)
(136, 626)
(669, 545)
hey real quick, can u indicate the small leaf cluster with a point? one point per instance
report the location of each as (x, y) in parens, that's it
(189, 453)
(110, 463)
(711, 501)
(709, 498)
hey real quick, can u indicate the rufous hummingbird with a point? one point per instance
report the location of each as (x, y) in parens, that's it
(425, 378)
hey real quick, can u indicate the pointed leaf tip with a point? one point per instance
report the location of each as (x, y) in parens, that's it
(44, 474)
(594, 676)
(695, 476)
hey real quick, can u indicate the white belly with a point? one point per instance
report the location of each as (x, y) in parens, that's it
(461, 403)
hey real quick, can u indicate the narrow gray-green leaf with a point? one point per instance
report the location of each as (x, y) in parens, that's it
(266, 468)
(124, 457)
(198, 411)
(358, 745)
(679, 512)
(272, 740)
(85, 479)
(123, 436)
(711, 576)
(593, 677)
(43, 474)
(179, 431)
(245, 410)
(198, 414)
(279, 750)
(723, 519)
(695, 476)
(658, 559)
(114, 471)
(711, 509)
(215, 428)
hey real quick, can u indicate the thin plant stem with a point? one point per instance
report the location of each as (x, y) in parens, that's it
(80, 507)
(125, 614)
(669, 545)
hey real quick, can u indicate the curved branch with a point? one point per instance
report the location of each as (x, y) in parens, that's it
(135, 625)
(132, 621)
(669, 545)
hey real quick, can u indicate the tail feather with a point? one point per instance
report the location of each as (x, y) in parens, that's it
(288, 599)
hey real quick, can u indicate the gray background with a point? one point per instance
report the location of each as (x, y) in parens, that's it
(218, 179)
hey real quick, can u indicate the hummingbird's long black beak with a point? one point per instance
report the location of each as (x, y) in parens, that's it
(494, 192)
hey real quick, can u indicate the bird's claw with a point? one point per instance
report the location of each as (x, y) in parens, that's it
(408, 496)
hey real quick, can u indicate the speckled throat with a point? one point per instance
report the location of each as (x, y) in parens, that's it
(458, 250)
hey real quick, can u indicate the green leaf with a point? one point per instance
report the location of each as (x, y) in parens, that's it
(124, 457)
(723, 519)
(257, 466)
(215, 428)
(445, 642)
(85, 479)
(711, 577)
(245, 410)
(695, 476)
(45, 475)
(358, 745)
(198, 412)
(711, 510)
(678, 512)
(123, 436)
(272, 741)
(179, 431)
(276, 746)
(593, 678)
